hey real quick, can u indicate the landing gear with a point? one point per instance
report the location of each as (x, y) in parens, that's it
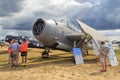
(45, 53)
(87, 52)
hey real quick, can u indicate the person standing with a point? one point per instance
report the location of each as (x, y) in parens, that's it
(15, 52)
(10, 53)
(24, 50)
(104, 52)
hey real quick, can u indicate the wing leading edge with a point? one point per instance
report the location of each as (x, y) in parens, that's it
(96, 37)
(88, 36)
(87, 29)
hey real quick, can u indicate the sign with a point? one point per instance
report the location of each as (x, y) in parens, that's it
(112, 56)
(78, 55)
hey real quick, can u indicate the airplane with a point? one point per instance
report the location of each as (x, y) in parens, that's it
(62, 34)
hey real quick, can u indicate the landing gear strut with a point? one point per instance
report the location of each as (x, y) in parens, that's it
(45, 53)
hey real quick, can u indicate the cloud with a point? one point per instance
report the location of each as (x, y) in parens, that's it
(7, 7)
(110, 32)
(105, 15)
(4, 33)
(21, 15)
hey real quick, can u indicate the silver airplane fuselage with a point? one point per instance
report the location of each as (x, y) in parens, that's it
(52, 33)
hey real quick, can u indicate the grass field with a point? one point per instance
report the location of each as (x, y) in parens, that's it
(59, 66)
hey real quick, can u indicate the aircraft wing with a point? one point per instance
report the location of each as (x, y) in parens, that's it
(88, 36)
(87, 29)
(96, 37)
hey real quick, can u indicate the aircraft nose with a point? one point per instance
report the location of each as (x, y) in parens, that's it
(38, 27)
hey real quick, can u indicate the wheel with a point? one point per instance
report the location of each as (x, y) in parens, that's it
(45, 54)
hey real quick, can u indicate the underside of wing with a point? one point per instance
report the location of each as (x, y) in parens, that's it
(75, 36)
(80, 39)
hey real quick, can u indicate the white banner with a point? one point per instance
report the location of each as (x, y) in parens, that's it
(112, 56)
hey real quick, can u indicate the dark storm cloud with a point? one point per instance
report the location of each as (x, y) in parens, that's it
(21, 26)
(99, 14)
(103, 16)
(9, 6)
(24, 23)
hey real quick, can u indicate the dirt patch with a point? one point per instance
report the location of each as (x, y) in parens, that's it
(59, 66)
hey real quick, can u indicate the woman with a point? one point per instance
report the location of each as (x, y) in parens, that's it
(104, 51)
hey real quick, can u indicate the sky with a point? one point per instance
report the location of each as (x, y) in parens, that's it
(20, 15)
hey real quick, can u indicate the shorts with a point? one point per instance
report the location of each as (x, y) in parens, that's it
(11, 55)
(102, 59)
(24, 53)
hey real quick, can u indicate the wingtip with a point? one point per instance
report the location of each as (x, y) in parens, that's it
(77, 20)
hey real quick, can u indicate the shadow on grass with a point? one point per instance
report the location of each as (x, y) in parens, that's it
(96, 73)
(37, 62)
(91, 61)
(57, 59)
(3, 52)
(66, 63)
(3, 62)
(118, 71)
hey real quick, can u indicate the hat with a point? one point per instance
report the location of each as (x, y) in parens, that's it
(102, 42)
(24, 39)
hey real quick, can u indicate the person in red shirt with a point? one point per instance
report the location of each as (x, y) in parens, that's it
(24, 50)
